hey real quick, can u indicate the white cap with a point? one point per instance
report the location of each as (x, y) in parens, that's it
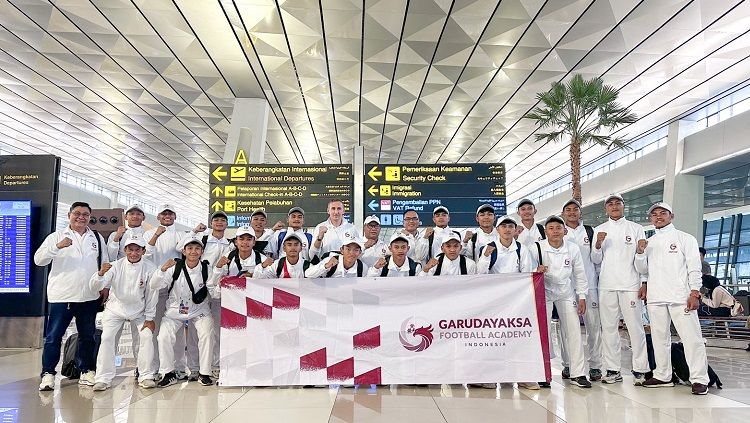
(190, 239)
(506, 219)
(370, 219)
(357, 241)
(134, 207)
(612, 197)
(135, 239)
(297, 210)
(441, 209)
(485, 207)
(660, 205)
(554, 218)
(398, 236)
(572, 201)
(525, 201)
(260, 211)
(219, 213)
(165, 207)
(451, 236)
(292, 235)
(245, 230)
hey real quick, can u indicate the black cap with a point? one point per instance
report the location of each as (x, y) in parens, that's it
(524, 202)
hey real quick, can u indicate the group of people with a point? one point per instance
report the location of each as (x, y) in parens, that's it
(165, 283)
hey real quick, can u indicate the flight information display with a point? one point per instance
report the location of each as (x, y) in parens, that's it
(15, 244)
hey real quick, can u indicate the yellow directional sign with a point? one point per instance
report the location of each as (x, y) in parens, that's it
(230, 191)
(216, 206)
(393, 173)
(230, 206)
(241, 157)
(238, 173)
(373, 190)
(217, 192)
(374, 173)
(219, 173)
(385, 190)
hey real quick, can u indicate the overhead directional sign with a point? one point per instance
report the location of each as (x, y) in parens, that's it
(238, 189)
(390, 189)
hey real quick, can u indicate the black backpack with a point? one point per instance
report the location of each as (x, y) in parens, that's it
(493, 256)
(461, 264)
(235, 255)
(412, 267)
(431, 239)
(280, 266)
(70, 350)
(360, 269)
(196, 297)
(540, 228)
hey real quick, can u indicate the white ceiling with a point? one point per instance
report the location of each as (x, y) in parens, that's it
(136, 95)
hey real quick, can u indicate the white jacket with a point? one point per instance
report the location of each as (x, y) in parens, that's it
(180, 304)
(672, 264)
(617, 255)
(247, 265)
(452, 267)
(565, 277)
(130, 294)
(319, 270)
(273, 249)
(374, 253)
(395, 271)
(423, 252)
(215, 247)
(296, 270)
(528, 236)
(471, 249)
(116, 249)
(166, 245)
(581, 238)
(507, 260)
(334, 237)
(68, 280)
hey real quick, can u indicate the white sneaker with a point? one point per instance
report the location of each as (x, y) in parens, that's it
(529, 385)
(147, 384)
(87, 378)
(48, 382)
(101, 386)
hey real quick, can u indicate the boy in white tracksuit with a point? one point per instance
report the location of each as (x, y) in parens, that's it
(346, 264)
(565, 287)
(190, 288)
(398, 263)
(484, 234)
(449, 262)
(290, 265)
(131, 300)
(672, 262)
(619, 284)
(582, 236)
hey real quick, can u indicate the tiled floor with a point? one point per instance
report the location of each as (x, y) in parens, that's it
(189, 402)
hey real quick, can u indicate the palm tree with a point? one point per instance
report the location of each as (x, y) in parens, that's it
(580, 112)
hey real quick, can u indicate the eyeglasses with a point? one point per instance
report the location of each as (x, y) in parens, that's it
(79, 214)
(411, 219)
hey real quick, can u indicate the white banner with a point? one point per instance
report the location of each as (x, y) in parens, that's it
(446, 329)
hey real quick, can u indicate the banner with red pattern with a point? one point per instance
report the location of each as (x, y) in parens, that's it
(426, 330)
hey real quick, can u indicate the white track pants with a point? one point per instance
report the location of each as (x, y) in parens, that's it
(612, 305)
(689, 330)
(593, 334)
(216, 315)
(105, 360)
(167, 336)
(567, 309)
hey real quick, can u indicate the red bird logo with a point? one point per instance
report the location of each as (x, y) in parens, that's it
(423, 335)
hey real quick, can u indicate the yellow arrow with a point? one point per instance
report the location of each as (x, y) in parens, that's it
(374, 173)
(219, 172)
(216, 206)
(373, 190)
(217, 192)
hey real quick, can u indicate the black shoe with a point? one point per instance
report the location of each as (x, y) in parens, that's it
(544, 385)
(168, 379)
(205, 380)
(700, 389)
(748, 347)
(595, 375)
(566, 373)
(136, 374)
(580, 381)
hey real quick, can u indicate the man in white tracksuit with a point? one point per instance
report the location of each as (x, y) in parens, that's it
(671, 260)
(530, 232)
(240, 261)
(484, 234)
(582, 235)
(429, 244)
(290, 265)
(131, 299)
(295, 224)
(450, 261)
(190, 289)
(565, 287)
(345, 264)
(619, 285)
(398, 263)
(375, 249)
(330, 235)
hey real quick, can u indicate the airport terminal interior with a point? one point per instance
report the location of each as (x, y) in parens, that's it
(231, 110)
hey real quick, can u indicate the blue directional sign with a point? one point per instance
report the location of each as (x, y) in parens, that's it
(390, 189)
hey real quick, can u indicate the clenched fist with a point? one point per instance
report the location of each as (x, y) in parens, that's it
(160, 230)
(428, 232)
(267, 262)
(200, 228)
(599, 239)
(430, 264)
(223, 261)
(541, 269)
(278, 226)
(380, 263)
(65, 242)
(169, 263)
(369, 243)
(488, 250)
(105, 268)
(119, 233)
(322, 231)
(334, 261)
(642, 244)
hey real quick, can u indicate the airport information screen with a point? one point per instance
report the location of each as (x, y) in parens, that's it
(15, 244)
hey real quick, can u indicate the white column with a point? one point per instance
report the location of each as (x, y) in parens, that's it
(684, 192)
(358, 172)
(248, 130)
